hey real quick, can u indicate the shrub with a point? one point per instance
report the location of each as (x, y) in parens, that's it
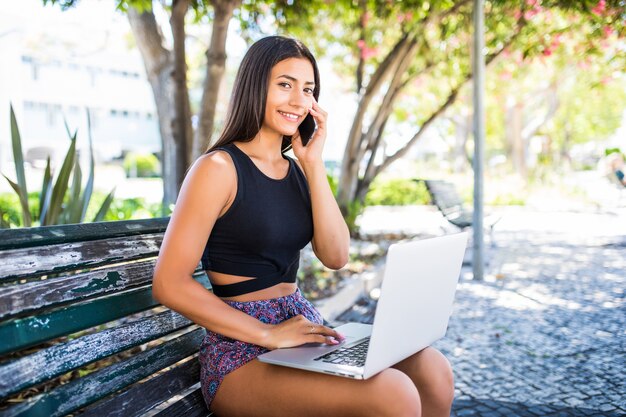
(397, 192)
(58, 202)
(141, 165)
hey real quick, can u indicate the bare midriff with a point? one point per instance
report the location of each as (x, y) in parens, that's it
(280, 290)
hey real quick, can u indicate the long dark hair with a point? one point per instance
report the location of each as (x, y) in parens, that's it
(246, 111)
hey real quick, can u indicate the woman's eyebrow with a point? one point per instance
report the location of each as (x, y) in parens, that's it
(290, 78)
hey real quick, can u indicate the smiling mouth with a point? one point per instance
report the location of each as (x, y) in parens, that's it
(290, 116)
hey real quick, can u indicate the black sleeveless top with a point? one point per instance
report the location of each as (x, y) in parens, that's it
(261, 234)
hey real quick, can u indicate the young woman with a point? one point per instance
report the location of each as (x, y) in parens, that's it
(246, 210)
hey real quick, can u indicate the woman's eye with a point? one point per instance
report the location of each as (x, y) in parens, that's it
(308, 90)
(286, 85)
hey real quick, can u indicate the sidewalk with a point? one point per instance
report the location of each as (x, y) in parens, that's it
(543, 335)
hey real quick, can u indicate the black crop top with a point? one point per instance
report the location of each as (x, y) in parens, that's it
(261, 234)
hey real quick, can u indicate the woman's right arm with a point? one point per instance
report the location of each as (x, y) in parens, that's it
(206, 192)
(208, 188)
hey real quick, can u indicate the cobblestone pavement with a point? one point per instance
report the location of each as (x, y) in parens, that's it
(544, 334)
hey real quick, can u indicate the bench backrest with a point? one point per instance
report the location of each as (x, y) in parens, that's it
(73, 295)
(445, 196)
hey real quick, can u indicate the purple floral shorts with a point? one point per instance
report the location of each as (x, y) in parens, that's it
(220, 355)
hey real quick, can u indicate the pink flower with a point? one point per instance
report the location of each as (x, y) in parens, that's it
(360, 43)
(506, 75)
(607, 30)
(518, 14)
(547, 15)
(547, 51)
(367, 52)
(600, 8)
(529, 14)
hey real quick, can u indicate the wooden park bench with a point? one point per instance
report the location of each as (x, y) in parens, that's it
(73, 295)
(444, 195)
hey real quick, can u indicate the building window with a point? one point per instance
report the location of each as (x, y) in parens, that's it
(52, 111)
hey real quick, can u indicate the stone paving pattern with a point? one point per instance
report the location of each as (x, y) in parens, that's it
(544, 335)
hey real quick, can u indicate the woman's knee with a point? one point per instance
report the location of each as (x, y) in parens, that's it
(392, 393)
(440, 378)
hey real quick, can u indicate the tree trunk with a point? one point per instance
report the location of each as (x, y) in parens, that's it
(181, 116)
(518, 147)
(350, 165)
(159, 64)
(216, 66)
(354, 152)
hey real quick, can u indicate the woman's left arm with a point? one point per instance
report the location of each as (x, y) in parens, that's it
(331, 238)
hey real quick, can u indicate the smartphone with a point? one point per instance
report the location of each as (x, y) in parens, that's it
(306, 129)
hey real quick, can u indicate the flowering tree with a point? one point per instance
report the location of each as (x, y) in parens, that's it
(415, 55)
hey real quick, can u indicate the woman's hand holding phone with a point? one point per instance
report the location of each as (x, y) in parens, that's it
(312, 151)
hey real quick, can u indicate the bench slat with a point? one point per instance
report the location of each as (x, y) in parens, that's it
(192, 405)
(90, 388)
(32, 296)
(50, 235)
(59, 359)
(24, 332)
(143, 397)
(25, 263)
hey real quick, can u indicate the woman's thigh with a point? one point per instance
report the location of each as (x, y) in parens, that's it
(259, 389)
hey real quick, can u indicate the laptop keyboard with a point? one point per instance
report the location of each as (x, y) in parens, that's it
(354, 355)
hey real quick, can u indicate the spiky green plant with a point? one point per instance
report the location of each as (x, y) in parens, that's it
(55, 206)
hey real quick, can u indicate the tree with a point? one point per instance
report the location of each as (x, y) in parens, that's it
(412, 54)
(166, 69)
(415, 54)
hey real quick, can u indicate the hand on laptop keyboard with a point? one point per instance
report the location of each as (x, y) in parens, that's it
(354, 355)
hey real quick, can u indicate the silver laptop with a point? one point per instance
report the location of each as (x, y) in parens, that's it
(413, 311)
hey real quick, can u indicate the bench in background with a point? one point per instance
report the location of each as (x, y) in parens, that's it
(72, 295)
(444, 195)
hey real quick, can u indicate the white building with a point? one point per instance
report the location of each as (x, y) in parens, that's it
(56, 65)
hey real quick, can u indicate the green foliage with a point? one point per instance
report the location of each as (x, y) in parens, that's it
(119, 209)
(128, 209)
(332, 181)
(10, 211)
(53, 205)
(590, 110)
(397, 192)
(609, 151)
(507, 200)
(141, 165)
(355, 208)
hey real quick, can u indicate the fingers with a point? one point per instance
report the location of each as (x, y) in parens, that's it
(319, 113)
(323, 334)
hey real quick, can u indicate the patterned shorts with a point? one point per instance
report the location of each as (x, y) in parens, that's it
(220, 355)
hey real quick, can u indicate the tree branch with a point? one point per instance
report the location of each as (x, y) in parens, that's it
(215, 68)
(449, 100)
(149, 41)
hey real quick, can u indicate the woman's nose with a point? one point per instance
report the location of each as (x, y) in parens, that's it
(300, 99)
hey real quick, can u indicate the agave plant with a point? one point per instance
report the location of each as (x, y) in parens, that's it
(52, 209)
